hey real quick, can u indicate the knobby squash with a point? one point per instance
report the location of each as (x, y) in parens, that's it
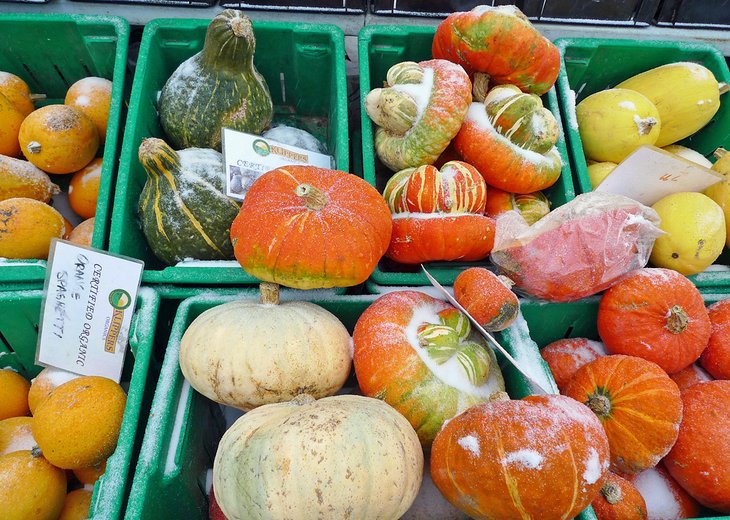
(419, 111)
(501, 42)
(438, 215)
(218, 87)
(183, 207)
(345, 456)
(23, 179)
(246, 354)
(532, 206)
(510, 138)
(420, 356)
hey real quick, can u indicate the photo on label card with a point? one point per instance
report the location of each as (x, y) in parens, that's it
(240, 180)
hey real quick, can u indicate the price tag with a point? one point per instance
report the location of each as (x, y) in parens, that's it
(89, 300)
(650, 174)
(248, 156)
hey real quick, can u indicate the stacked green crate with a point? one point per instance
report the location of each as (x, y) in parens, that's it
(304, 67)
(20, 312)
(381, 47)
(50, 52)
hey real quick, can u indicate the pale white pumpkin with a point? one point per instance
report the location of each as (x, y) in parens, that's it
(342, 457)
(246, 354)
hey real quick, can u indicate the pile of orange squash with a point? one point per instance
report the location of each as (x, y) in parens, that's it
(56, 139)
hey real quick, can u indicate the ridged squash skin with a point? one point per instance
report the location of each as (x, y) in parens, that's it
(686, 95)
(23, 179)
(183, 207)
(615, 122)
(246, 354)
(345, 456)
(217, 87)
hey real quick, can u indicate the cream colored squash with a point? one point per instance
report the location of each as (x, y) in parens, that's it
(246, 354)
(341, 457)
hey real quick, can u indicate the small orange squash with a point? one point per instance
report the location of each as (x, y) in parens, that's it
(487, 298)
(83, 191)
(540, 457)
(656, 314)
(11, 120)
(17, 92)
(716, 357)
(699, 459)
(58, 139)
(30, 487)
(22, 179)
(27, 227)
(566, 356)
(619, 500)
(664, 498)
(92, 96)
(306, 227)
(83, 233)
(638, 405)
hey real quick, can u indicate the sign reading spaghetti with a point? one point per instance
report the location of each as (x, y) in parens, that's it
(87, 310)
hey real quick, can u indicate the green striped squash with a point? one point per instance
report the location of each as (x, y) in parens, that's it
(218, 87)
(183, 208)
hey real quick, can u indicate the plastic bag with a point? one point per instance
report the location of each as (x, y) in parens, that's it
(579, 249)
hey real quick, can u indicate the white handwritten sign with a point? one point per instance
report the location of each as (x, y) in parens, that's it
(89, 300)
(650, 174)
(247, 157)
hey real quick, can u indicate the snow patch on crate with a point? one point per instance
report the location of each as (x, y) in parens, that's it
(191, 262)
(525, 351)
(572, 116)
(182, 406)
(471, 444)
(530, 459)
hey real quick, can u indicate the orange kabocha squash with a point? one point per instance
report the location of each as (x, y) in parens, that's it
(638, 405)
(420, 356)
(716, 357)
(690, 376)
(306, 227)
(565, 356)
(656, 314)
(619, 500)
(487, 298)
(540, 457)
(501, 42)
(438, 215)
(699, 460)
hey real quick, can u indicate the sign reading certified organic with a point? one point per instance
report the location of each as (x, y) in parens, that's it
(89, 300)
(247, 157)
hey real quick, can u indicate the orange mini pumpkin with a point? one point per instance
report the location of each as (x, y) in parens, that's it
(565, 356)
(656, 314)
(716, 357)
(540, 457)
(664, 498)
(638, 405)
(619, 500)
(306, 227)
(699, 459)
(11, 120)
(487, 297)
(438, 215)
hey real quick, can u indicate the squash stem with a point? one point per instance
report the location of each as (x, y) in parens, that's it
(611, 492)
(600, 405)
(36, 452)
(677, 320)
(269, 293)
(719, 153)
(314, 199)
(34, 147)
(480, 87)
(723, 87)
(37, 97)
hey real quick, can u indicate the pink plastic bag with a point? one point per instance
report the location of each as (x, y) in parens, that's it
(579, 249)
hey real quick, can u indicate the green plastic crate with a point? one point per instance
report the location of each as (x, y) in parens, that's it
(50, 52)
(589, 65)
(19, 315)
(185, 427)
(553, 321)
(379, 48)
(304, 66)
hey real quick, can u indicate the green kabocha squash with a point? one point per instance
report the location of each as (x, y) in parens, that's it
(218, 87)
(184, 210)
